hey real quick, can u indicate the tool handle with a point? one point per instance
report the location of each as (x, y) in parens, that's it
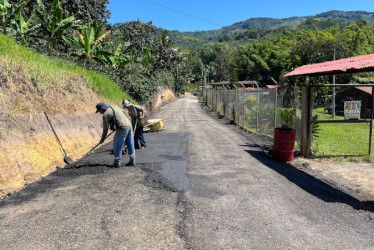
(100, 143)
(92, 149)
(55, 134)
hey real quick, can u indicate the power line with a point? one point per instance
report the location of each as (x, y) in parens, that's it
(180, 12)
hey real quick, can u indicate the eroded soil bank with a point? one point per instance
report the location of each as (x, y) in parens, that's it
(29, 149)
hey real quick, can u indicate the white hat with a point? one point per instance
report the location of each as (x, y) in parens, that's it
(126, 103)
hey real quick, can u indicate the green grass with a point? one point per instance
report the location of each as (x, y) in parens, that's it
(46, 72)
(332, 139)
(340, 138)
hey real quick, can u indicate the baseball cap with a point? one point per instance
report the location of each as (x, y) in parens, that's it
(101, 106)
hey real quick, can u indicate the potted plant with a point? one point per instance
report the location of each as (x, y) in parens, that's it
(284, 137)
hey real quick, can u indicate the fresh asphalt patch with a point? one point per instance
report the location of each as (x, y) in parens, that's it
(164, 164)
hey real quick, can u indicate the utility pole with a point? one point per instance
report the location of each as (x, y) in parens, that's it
(333, 92)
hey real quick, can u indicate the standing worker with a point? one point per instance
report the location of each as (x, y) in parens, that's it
(137, 114)
(113, 115)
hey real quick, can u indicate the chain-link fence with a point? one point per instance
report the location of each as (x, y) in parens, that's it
(341, 120)
(209, 97)
(259, 110)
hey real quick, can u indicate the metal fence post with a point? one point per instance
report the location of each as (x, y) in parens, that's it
(296, 92)
(243, 109)
(371, 120)
(236, 116)
(258, 102)
(276, 102)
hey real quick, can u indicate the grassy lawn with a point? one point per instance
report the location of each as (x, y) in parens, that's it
(340, 139)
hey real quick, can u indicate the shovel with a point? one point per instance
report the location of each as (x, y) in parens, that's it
(67, 159)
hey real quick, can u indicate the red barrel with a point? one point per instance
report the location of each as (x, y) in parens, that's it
(284, 144)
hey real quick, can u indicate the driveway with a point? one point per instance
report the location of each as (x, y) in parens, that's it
(199, 185)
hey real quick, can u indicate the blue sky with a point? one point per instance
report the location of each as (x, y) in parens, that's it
(192, 15)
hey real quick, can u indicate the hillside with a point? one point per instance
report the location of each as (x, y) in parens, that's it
(32, 84)
(191, 40)
(347, 17)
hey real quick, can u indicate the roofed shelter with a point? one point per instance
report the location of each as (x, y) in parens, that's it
(233, 85)
(225, 85)
(357, 64)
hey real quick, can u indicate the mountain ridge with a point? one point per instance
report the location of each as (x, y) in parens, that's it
(191, 39)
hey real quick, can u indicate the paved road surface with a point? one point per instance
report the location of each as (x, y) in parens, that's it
(199, 185)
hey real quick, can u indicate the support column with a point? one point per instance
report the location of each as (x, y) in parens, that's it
(306, 114)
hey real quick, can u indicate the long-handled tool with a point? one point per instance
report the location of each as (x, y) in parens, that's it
(134, 128)
(91, 150)
(67, 159)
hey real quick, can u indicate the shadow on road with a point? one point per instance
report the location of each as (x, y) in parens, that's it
(311, 184)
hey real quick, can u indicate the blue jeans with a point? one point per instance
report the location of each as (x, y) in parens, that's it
(121, 137)
(139, 137)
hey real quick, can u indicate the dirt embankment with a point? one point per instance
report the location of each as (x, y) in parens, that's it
(28, 147)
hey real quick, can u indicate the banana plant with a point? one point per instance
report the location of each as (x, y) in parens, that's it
(8, 12)
(25, 29)
(88, 44)
(118, 60)
(56, 22)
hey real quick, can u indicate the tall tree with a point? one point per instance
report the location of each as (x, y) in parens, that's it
(359, 37)
(87, 10)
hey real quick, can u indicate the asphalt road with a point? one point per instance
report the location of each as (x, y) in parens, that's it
(200, 184)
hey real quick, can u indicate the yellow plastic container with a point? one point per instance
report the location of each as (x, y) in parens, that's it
(157, 124)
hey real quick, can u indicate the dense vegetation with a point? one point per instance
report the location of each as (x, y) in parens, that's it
(131, 54)
(322, 20)
(259, 54)
(140, 57)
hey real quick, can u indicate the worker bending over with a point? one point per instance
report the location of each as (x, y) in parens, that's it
(137, 114)
(114, 117)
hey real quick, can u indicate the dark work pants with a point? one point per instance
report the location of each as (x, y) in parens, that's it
(139, 137)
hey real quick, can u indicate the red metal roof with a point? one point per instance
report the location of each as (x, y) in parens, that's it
(250, 89)
(343, 66)
(272, 86)
(365, 89)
